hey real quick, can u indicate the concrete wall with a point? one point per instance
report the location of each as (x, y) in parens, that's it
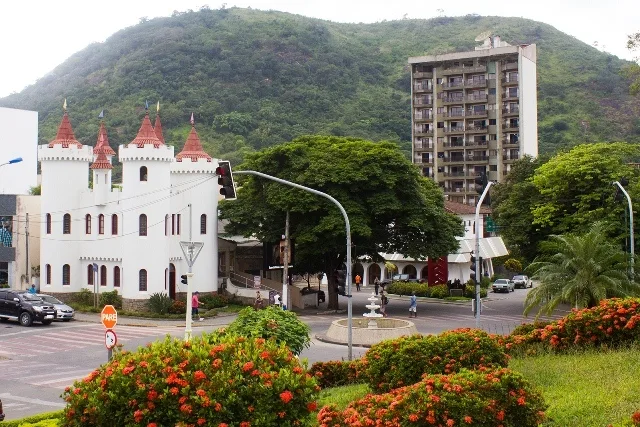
(528, 102)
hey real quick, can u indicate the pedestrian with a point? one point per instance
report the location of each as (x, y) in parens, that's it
(195, 304)
(413, 304)
(358, 280)
(376, 284)
(258, 303)
(32, 289)
(383, 304)
(276, 300)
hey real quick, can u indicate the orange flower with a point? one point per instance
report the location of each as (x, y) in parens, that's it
(413, 418)
(201, 421)
(500, 415)
(521, 401)
(468, 419)
(247, 366)
(245, 424)
(312, 406)
(286, 396)
(199, 375)
(174, 390)
(152, 425)
(450, 422)
(138, 416)
(201, 392)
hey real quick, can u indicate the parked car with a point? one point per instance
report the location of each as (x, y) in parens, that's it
(25, 308)
(521, 281)
(1, 411)
(63, 311)
(503, 285)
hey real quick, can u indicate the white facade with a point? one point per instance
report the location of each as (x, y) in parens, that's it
(132, 233)
(18, 138)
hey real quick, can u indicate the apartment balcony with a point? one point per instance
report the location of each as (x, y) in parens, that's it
(475, 69)
(510, 127)
(477, 129)
(510, 96)
(510, 158)
(418, 160)
(458, 144)
(452, 159)
(453, 100)
(476, 98)
(423, 132)
(472, 143)
(510, 142)
(458, 84)
(510, 81)
(451, 71)
(422, 75)
(477, 159)
(454, 174)
(510, 66)
(453, 130)
(422, 147)
(476, 83)
(454, 190)
(453, 114)
(472, 114)
(419, 88)
(511, 111)
(421, 118)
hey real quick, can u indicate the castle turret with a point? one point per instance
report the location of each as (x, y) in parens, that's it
(101, 179)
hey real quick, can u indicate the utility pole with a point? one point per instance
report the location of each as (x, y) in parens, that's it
(477, 251)
(190, 250)
(285, 272)
(26, 247)
(631, 238)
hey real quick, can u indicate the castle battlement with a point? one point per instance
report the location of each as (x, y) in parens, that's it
(188, 165)
(163, 153)
(58, 152)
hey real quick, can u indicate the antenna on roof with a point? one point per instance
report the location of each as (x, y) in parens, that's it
(484, 35)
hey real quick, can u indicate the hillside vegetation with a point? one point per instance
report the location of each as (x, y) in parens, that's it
(256, 78)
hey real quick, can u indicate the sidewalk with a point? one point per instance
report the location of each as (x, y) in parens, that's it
(144, 322)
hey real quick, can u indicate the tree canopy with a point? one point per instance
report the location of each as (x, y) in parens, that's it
(391, 207)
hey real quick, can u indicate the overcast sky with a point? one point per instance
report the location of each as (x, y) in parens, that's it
(38, 35)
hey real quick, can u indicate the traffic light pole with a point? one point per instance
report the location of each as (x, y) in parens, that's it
(631, 238)
(477, 252)
(190, 250)
(348, 230)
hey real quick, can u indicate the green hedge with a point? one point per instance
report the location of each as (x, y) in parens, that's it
(48, 419)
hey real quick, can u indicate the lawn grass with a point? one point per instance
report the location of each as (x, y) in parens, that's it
(586, 388)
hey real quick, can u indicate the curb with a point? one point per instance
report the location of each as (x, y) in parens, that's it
(324, 338)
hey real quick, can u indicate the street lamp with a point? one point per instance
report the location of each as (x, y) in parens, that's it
(12, 161)
(631, 243)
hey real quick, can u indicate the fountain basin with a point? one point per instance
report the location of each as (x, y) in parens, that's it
(364, 334)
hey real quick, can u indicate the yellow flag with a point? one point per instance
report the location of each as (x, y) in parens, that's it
(64, 106)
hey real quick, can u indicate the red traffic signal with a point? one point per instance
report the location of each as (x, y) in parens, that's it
(225, 180)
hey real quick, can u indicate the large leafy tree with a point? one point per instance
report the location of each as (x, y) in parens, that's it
(579, 269)
(632, 71)
(391, 207)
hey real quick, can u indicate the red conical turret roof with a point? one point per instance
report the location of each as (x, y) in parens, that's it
(146, 135)
(65, 136)
(193, 148)
(102, 145)
(101, 162)
(157, 128)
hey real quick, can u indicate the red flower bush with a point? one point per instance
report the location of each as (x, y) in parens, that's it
(397, 363)
(476, 398)
(217, 379)
(337, 373)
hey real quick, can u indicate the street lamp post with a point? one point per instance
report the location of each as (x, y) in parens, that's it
(12, 161)
(631, 243)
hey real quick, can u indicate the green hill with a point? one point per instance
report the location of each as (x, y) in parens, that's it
(255, 78)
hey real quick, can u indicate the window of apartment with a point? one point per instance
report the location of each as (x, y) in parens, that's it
(426, 157)
(440, 125)
(100, 224)
(493, 137)
(493, 168)
(513, 91)
(116, 277)
(66, 224)
(493, 153)
(142, 225)
(47, 269)
(440, 110)
(426, 172)
(492, 122)
(492, 91)
(142, 280)
(439, 80)
(103, 275)
(48, 224)
(66, 274)
(114, 224)
(90, 275)
(203, 224)
(87, 224)
(440, 140)
(143, 173)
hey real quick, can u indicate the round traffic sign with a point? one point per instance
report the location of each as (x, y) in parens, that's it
(110, 339)
(109, 316)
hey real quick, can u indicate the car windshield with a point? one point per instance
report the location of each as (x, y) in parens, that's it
(50, 299)
(518, 277)
(502, 281)
(30, 297)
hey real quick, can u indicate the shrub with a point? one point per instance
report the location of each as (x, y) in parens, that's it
(272, 322)
(111, 298)
(178, 307)
(337, 373)
(479, 398)
(160, 303)
(405, 288)
(214, 301)
(470, 291)
(216, 378)
(84, 297)
(439, 291)
(403, 361)
(526, 328)
(513, 264)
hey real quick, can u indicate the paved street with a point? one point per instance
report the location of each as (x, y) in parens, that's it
(38, 362)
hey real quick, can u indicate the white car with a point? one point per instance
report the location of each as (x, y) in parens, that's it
(521, 281)
(64, 312)
(503, 285)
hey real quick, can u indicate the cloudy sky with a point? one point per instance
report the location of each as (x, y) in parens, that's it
(37, 35)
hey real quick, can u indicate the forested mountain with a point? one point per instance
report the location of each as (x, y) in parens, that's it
(256, 78)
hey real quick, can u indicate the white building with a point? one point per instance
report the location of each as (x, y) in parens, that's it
(131, 232)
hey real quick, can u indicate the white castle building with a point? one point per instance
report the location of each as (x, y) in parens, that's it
(132, 232)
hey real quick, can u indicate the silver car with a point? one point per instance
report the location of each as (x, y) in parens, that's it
(503, 285)
(65, 313)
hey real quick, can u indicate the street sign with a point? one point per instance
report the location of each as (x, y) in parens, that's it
(110, 339)
(109, 316)
(491, 225)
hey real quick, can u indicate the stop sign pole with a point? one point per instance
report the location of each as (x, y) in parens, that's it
(109, 319)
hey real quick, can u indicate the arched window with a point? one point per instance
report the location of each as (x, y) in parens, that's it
(114, 224)
(90, 275)
(47, 269)
(203, 224)
(143, 173)
(87, 224)
(166, 224)
(142, 280)
(48, 224)
(100, 224)
(103, 275)
(116, 277)
(179, 220)
(142, 225)
(66, 275)
(66, 224)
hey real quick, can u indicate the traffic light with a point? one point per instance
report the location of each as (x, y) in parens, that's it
(225, 180)
(183, 279)
(473, 267)
(481, 183)
(341, 282)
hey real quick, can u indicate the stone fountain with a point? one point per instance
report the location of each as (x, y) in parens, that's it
(372, 306)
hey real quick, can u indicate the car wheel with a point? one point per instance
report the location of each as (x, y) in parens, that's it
(3, 319)
(25, 319)
(47, 322)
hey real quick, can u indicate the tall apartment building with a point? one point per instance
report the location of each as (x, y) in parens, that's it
(473, 112)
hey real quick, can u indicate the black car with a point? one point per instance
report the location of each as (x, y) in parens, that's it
(25, 308)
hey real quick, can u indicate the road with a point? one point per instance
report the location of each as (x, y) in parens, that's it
(38, 362)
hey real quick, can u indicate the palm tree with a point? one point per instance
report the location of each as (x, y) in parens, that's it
(582, 270)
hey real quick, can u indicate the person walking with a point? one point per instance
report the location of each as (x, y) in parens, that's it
(276, 300)
(413, 305)
(383, 304)
(358, 280)
(376, 284)
(32, 290)
(195, 304)
(258, 304)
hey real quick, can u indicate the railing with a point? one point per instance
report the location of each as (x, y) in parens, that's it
(422, 88)
(510, 96)
(453, 99)
(423, 75)
(477, 113)
(507, 157)
(454, 144)
(514, 110)
(477, 143)
(510, 142)
(472, 158)
(421, 161)
(454, 114)
(455, 174)
(452, 159)
(423, 132)
(423, 117)
(476, 97)
(510, 66)
(510, 126)
(476, 128)
(454, 129)
(510, 79)
(420, 146)
(423, 101)
(454, 84)
(476, 83)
